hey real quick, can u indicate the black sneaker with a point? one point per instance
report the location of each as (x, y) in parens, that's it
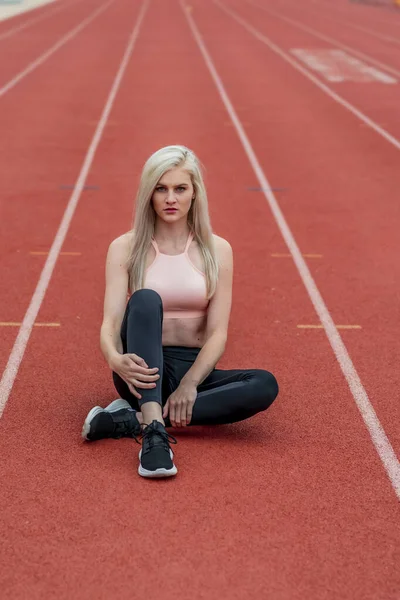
(156, 457)
(117, 420)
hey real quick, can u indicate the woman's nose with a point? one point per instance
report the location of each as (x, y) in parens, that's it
(171, 196)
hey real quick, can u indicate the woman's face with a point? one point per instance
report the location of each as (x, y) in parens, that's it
(173, 194)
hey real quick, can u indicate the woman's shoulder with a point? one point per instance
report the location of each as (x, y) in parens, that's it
(223, 250)
(221, 244)
(121, 245)
(122, 241)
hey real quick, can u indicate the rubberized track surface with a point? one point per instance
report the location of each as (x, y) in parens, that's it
(297, 502)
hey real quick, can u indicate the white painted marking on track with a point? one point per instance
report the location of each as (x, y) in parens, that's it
(326, 38)
(319, 62)
(49, 13)
(43, 57)
(18, 350)
(336, 66)
(376, 431)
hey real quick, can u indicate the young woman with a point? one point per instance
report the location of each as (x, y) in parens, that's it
(164, 343)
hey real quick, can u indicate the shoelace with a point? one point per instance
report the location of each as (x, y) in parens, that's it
(151, 431)
(124, 425)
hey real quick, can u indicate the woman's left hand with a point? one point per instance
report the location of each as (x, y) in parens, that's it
(180, 405)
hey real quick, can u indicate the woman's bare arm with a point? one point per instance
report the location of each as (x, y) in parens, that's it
(114, 299)
(130, 367)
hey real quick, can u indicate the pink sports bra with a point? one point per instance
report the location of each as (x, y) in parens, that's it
(181, 285)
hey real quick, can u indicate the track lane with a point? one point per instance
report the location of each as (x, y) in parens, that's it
(284, 539)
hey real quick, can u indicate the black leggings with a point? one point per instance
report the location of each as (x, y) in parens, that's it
(223, 397)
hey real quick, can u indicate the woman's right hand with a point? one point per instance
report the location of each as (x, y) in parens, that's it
(135, 372)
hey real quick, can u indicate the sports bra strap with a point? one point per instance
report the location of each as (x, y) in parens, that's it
(153, 241)
(189, 241)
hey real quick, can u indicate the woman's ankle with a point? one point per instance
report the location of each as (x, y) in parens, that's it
(151, 411)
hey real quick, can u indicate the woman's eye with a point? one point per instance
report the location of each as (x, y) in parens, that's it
(162, 188)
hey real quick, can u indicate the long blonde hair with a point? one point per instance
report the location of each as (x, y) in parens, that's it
(159, 163)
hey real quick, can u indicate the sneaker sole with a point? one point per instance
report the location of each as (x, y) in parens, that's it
(112, 407)
(158, 473)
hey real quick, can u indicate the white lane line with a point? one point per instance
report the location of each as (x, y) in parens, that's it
(378, 435)
(286, 57)
(49, 13)
(43, 57)
(326, 38)
(17, 353)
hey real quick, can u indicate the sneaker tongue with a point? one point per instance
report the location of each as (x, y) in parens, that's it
(156, 436)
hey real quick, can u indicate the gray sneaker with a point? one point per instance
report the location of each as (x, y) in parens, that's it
(117, 420)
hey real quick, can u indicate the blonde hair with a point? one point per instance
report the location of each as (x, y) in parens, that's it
(198, 218)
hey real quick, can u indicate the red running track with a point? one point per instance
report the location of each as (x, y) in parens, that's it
(292, 504)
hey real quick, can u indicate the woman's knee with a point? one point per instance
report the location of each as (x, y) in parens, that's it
(145, 301)
(266, 389)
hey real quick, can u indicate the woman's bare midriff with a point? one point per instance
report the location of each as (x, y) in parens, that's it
(184, 332)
